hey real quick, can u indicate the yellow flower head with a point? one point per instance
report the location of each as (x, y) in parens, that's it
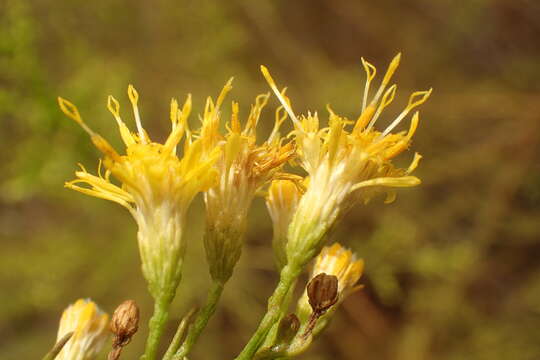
(149, 172)
(156, 186)
(281, 201)
(243, 168)
(90, 331)
(348, 161)
(343, 264)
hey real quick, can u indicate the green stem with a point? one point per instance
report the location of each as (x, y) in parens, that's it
(287, 278)
(51, 355)
(214, 294)
(175, 343)
(157, 326)
(284, 310)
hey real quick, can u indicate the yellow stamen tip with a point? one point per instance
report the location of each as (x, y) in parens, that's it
(414, 163)
(267, 75)
(371, 71)
(69, 109)
(174, 111)
(223, 93)
(388, 96)
(113, 106)
(422, 95)
(133, 94)
(392, 68)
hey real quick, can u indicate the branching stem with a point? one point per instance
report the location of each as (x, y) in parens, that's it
(287, 279)
(214, 294)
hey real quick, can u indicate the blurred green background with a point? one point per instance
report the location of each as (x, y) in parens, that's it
(452, 269)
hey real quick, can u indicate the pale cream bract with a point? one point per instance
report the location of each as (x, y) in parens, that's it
(90, 331)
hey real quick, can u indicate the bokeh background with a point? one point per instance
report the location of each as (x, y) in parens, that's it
(452, 266)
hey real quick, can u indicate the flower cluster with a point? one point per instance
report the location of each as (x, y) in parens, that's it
(344, 163)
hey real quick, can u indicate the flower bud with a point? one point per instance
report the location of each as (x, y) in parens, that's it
(125, 322)
(287, 329)
(88, 324)
(322, 292)
(281, 201)
(345, 267)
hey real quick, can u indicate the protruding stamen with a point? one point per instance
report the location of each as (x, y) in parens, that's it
(235, 122)
(254, 115)
(332, 140)
(391, 69)
(114, 108)
(174, 113)
(211, 118)
(179, 120)
(413, 126)
(279, 119)
(134, 98)
(104, 146)
(371, 71)
(411, 105)
(182, 120)
(414, 163)
(73, 113)
(363, 119)
(387, 77)
(424, 95)
(208, 107)
(223, 94)
(186, 110)
(404, 142)
(405, 181)
(386, 100)
(280, 97)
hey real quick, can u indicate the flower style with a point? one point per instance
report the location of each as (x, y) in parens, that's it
(243, 168)
(157, 186)
(281, 201)
(344, 165)
(89, 326)
(343, 264)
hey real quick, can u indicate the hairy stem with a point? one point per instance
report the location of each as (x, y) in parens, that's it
(157, 326)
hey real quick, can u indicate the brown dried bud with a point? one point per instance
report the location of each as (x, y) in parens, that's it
(287, 329)
(322, 292)
(125, 322)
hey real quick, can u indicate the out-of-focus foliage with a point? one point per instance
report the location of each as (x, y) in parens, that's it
(452, 268)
